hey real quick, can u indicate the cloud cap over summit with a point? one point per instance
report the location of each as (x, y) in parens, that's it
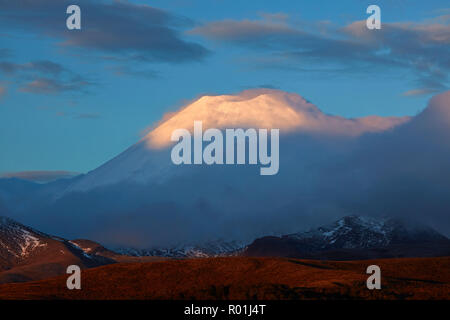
(268, 109)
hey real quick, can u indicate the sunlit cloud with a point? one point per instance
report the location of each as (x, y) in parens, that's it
(39, 176)
(418, 92)
(264, 108)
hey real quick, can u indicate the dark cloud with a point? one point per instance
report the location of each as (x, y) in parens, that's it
(116, 27)
(39, 176)
(44, 77)
(8, 67)
(42, 66)
(423, 48)
(3, 91)
(50, 86)
(404, 172)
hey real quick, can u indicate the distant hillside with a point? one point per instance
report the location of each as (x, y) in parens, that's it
(27, 254)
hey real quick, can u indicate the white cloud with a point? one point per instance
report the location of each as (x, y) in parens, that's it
(264, 108)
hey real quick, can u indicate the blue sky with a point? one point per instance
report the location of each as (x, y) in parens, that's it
(71, 100)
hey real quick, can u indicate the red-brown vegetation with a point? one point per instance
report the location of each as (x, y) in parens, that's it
(247, 278)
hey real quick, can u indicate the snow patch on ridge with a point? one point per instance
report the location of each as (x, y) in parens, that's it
(30, 243)
(215, 248)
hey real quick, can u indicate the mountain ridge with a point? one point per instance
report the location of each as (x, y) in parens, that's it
(28, 254)
(356, 237)
(350, 233)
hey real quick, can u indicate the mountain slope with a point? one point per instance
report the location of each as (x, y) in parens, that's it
(355, 237)
(93, 248)
(27, 254)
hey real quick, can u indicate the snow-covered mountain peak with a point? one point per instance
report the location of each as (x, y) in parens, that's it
(263, 108)
(148, 161)
(365, 232)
